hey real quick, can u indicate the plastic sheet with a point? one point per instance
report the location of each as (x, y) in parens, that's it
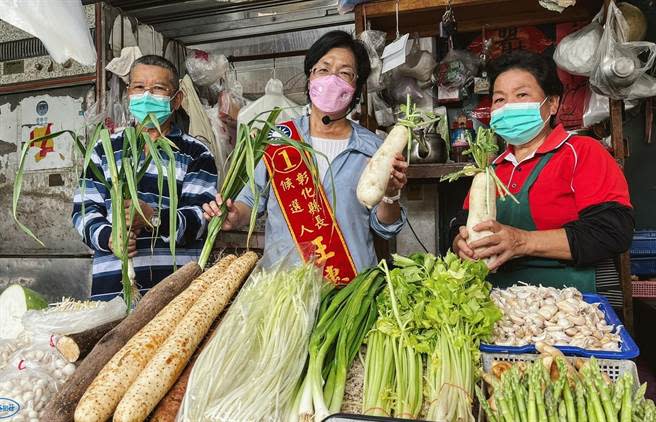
(61, 25)
(374, 42)
(74, 321)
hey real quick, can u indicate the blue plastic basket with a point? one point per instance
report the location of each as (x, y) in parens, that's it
(644, 243)
(644, 266)
(628, 348)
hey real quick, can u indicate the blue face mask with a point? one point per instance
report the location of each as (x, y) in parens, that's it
(518, 123)
(141, 105)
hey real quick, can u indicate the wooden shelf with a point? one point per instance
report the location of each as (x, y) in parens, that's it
(432, 171)
(423, 16)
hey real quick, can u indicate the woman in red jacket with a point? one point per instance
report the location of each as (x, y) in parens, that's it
(574, 214)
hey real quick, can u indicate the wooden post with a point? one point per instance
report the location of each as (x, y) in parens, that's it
(620, 152)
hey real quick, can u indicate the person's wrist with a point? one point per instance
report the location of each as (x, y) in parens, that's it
(525, 244)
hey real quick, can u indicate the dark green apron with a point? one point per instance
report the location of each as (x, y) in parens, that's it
(545, 271)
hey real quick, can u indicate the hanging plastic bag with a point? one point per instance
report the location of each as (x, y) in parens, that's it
(404, 86)
(71, 317)
(381, 111)
(419, 64)
(374, 42)
(457, 69)
(121, 65)
(273, 97)
(61, 25)
(576, 52)
(206, 68)
(117, 114)
(620, 64)
(597, 108)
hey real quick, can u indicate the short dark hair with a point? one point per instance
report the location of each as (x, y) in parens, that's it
(542, 68)
(341, 39)
(155, 60)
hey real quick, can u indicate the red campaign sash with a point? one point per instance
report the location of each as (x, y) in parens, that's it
(308, 213)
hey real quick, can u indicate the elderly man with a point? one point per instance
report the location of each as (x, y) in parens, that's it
(153, 89)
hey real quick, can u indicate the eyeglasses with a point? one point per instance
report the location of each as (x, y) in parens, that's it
(346, 74)
(137, 88)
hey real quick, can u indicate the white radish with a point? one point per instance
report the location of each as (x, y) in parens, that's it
(375, 177)
(484, 188)
(482, 207)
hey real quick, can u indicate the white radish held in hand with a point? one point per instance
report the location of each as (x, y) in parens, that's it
(484, 188)
(482, 207)
(376, 176)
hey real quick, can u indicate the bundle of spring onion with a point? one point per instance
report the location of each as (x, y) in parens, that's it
(484, 187)
(437, 309)
(550, 389)
(124, 176)
(251, 367)
(344, 320)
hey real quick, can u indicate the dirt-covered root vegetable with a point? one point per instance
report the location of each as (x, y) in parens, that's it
(168, 363)
(482, 207)
(109, 386)
(376, 176)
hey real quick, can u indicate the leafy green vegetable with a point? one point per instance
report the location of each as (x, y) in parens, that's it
(346, 318)
(483, 149)
(440, 309)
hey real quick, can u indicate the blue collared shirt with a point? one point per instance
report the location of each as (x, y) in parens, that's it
(358, 224)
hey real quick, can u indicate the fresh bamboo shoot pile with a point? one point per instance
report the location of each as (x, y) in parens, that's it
(108, 388)
(484, 187)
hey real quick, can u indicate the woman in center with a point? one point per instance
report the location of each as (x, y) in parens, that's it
(341, 233)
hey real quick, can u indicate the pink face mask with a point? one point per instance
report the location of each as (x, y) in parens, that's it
(331, 93)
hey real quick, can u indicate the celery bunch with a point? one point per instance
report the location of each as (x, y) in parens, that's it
(432, 309)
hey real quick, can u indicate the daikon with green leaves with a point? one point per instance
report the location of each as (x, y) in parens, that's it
(484, 187)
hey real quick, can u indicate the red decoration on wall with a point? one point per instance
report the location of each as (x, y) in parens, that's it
(505, 40)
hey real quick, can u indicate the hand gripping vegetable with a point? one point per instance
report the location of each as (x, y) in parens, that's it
(375, 177)
(483, 192)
